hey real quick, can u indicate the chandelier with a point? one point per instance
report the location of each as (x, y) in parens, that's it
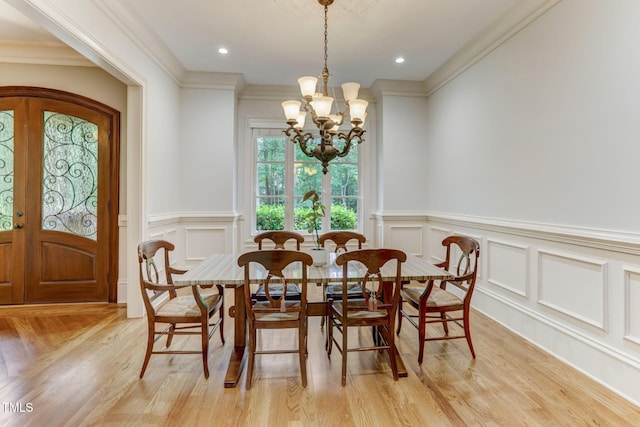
(319, 106)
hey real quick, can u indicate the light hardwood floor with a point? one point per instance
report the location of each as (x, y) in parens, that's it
(78, 365)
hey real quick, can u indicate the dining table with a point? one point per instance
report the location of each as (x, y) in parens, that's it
(223, 269)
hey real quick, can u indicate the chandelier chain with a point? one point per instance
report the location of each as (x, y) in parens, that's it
(326, 36)
(319, 108)
(325, 71)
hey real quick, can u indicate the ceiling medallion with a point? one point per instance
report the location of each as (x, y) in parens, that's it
(340, 9)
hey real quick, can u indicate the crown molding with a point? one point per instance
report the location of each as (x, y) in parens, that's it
(210, 80)
(383, 87)
(143, 37)
(270, 92)
(514, 20)
(20, 52)
(48, 14)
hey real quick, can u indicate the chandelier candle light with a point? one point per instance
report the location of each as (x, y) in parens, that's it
(319, 106)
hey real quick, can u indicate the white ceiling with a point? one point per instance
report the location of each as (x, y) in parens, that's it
(276, 41)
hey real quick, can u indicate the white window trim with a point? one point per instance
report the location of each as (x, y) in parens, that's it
(250, 200)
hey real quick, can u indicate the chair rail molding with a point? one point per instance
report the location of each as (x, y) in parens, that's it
(610, 240)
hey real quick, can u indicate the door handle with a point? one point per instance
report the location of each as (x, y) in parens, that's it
(18, 225)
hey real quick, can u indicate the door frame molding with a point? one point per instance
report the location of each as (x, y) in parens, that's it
(114, 161)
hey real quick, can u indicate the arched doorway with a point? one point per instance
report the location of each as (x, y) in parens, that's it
(59, 175)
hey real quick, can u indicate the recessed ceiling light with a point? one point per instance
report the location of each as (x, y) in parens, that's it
(399, 60)
(223, 51)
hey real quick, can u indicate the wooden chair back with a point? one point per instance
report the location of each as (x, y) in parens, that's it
(376, 294)
(273, 280)
(341, 238)
(279, 238)
(150, 280)
(466, 266)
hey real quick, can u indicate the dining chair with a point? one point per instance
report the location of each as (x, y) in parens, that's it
(279, 238)
(375, 308)
(174, 312)
(435, 304)
(340, 239)
(276, 312)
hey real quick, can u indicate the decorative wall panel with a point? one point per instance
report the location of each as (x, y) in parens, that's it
(508, 266)
(203, 241)
(574, 286)
(434, 243)
(407, 238)
(632, 304)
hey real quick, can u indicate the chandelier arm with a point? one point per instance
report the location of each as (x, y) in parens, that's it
(354, 136)
(297, 136)
(309, 109)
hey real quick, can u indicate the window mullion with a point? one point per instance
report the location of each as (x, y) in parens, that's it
(289, 186)
(326, 200)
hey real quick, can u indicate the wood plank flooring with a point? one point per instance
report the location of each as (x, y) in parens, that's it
(78, 365)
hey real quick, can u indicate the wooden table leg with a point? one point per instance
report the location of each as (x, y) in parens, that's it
(238, 354)
(386, 296)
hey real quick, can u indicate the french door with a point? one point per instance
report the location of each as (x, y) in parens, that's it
(58, 197)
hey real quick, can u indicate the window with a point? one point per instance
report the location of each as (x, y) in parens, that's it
(283, 174)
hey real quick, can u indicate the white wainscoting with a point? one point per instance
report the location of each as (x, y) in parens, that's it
(632, 304)
(196, 235)
(409, 237)
(508, 267)
(573, 292)
(574, 286)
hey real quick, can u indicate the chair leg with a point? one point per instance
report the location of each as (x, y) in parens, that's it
(329, 343)
(205, 347)
(392, 354)
(344, 353)
(324, 298)
(306, 337)
(377, 340)
(302, 343)
(400, 316)
(422, 334)
(467, 332)
(445, 324)
(221, 327)
(172, 329)
(147, 356)
(325, 322)
(251, 356)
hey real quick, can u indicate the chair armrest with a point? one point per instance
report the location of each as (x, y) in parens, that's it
(174, 270)
(427, 291)
(457, 280)
(200, 300)
(163, 287)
